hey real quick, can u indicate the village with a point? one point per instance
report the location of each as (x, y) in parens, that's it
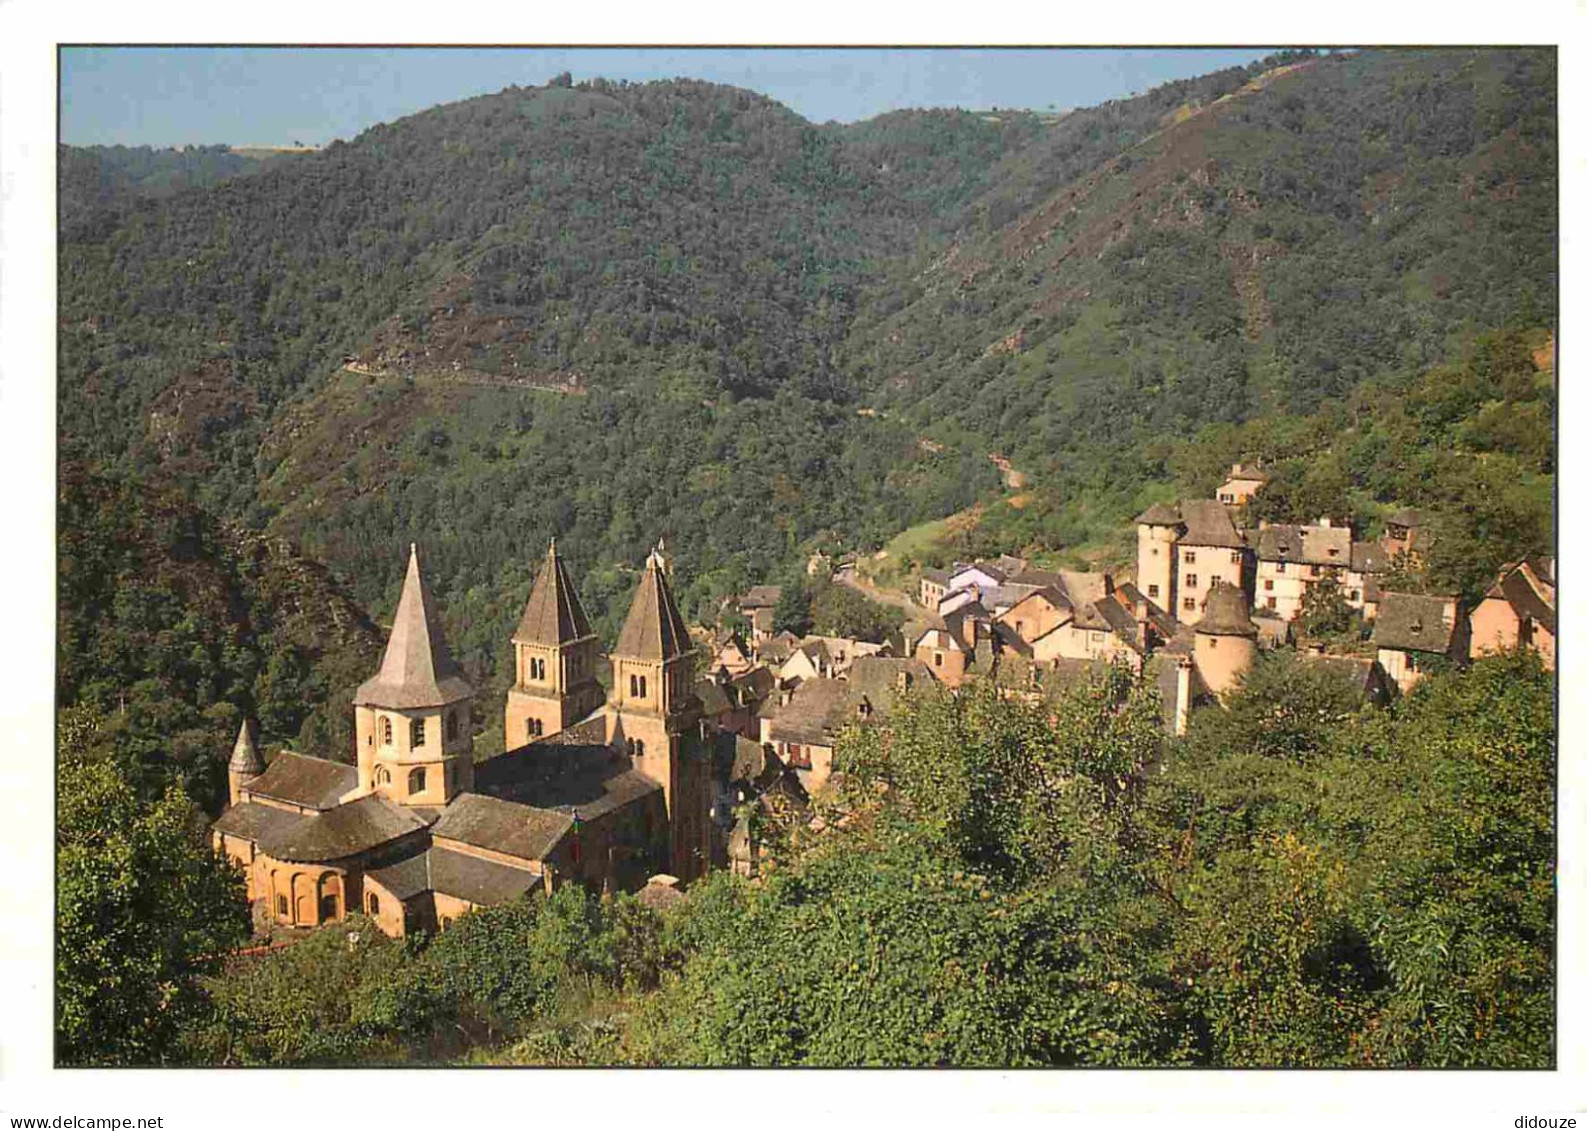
(703, 738)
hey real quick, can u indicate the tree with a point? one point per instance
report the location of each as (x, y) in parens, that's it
(792, 613)
(1324, 612)
(839, 610)
(143, 909)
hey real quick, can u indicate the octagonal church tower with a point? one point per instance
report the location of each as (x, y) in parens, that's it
(653, 714)
(414, 719)
(555, 653)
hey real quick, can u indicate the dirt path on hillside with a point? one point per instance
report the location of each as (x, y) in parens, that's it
(892, 597)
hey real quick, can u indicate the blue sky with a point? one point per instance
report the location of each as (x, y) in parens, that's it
(252, 95)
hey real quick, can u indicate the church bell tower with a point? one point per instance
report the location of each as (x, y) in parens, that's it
(554, 654)
(653, 714)
(414, 718)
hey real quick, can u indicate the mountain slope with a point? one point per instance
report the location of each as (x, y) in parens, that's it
(1341, 217)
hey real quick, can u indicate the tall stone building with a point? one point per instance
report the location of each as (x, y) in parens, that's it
(599, 790)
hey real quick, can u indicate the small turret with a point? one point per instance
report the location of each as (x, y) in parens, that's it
(246, 763)
(1225, 644)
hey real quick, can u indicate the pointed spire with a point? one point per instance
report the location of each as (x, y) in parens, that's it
(417, 670)
(654, 630)
(245, 758)
(554, 614)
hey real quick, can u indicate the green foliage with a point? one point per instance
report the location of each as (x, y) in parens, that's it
(841, 610)
(143, 908)
(793, 612)
(174, 625)
(1326, 615)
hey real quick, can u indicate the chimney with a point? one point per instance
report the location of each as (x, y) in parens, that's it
(1182, 697)
(1325, 522)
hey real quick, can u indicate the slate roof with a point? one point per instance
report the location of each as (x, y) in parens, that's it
(1408, 516)
(562, 776)
(937, 576)
(874, 679)
(251, 820)
(343, 831)
(776, 649)
(315, 783)
(1309, 545)
(1080, 586)
(406, 878)
(417, 670)
(1207, 523)
(1240, 472)
(245, 757)
(756, 683)
(761, 597)
(1226, 613)
(659, 897)
(654, 629)
(478, 881)
(1357, 672)
(814, 713)
(1514, 586)
(524, 831)
(1409, 622)
(713, 700)
(554, 614)
(1369, 557)
(1159, 514)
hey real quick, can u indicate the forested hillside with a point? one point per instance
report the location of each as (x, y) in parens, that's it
(610, 312)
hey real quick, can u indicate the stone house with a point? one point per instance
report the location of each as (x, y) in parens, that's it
(1411, 630)
(1518, 611)
(1241, 486)
(1291, 559)
(757, 606)
(1182, 550)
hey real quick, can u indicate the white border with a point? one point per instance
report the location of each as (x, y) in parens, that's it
(29, 30)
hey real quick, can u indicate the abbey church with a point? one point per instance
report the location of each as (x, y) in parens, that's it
(604, 788)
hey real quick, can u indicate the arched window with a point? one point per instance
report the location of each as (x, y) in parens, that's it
(374, 904)
(451, 726)
(633, 686)
(642, 691)
(536, 728)
(281, 906)
(382, 776)
(385, 731)
(416, 781)
(416, 732)
(639, 748)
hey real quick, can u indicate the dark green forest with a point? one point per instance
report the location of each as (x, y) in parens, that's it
(608, 312)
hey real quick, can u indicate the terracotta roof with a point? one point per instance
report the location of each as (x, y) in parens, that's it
(251, 820)
(343, 831)
(417, 670)
(524, 831)
(654, 629)
(1310, 545)
(1226, 613)
(245, 757)
(315, 783)
(479, 881)
(1413, 623)
(1159, 514)
(1207, 523)
(553, 614)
